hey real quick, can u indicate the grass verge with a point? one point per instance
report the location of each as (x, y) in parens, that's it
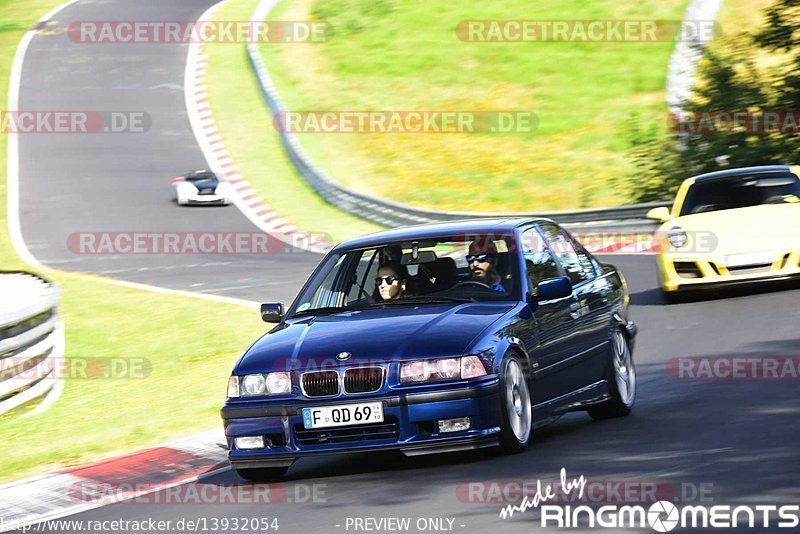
(245, 123)
(190, 346)
(405, 55)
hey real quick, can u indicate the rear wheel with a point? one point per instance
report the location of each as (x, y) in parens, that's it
(516, 418)
(262, 474)
(621, 380)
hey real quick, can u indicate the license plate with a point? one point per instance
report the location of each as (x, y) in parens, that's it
(343, 415)
(740, 260)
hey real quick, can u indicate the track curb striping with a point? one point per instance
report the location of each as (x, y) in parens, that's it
(64, 493)
(220, 160)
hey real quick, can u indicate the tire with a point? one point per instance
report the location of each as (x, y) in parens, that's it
(621, 377)
(263, 474)
(516, 421)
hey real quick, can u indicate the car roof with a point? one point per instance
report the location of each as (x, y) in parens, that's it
(427, 231)
(729, 173)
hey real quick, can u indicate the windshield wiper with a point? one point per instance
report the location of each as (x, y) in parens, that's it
(328, 309)
(429, 300)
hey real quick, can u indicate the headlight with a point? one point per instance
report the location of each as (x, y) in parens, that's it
(254, 385)
(472, 367)
(279, 383)
(448, 368)
(442, 369)
(414, 372)
(677, 237)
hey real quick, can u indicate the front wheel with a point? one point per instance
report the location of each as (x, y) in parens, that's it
(262, 474)
(516, 423)
(621, 381)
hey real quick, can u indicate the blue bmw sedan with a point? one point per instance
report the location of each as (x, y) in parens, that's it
(431, 339)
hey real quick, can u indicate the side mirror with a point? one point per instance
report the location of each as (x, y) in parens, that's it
(272, 312)
(659, 214)
(554, 288)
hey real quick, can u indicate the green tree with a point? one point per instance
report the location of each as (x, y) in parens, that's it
(730, 81)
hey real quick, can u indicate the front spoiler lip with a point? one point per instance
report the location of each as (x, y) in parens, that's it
(419, 449)
(213, 200)
(705, 286)
(246, 412)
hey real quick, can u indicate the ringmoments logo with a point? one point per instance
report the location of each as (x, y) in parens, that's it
(660, 516)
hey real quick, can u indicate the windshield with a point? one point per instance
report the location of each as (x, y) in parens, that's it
(742, 192)
(429, 271)
(201, 176)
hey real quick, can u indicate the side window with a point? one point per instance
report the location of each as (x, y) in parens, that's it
(587, 262)
(325, 294)
(362, 283)
(539, 262)
(572, 262)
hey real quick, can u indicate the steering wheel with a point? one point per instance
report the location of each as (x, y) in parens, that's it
(472, 283)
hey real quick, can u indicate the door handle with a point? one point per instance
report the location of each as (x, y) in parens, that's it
(574, 310)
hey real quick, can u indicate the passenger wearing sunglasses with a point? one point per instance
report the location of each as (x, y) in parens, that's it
(391, 280)
(481, 260)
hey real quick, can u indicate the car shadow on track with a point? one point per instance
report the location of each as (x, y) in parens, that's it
(655, 297)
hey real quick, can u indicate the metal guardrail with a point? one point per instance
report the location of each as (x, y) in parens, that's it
(389, 213)
(31, 338)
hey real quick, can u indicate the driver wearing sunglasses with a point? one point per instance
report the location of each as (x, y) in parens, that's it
(391, 280)
(481, 259)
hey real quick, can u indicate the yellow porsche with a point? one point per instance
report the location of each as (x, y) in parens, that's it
(730, 227)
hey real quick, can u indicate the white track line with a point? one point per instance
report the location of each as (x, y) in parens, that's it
(12, 172)
(12, 166)
(219, 159)
(18, 242)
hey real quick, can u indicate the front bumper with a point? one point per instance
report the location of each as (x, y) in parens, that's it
(410, 426)
(711, 273)
(207, 200)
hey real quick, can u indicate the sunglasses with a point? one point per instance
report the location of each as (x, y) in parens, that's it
(390, 280)
(477, 257)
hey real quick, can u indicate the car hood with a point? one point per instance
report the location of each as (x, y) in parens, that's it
(768, 228)
(372, 336)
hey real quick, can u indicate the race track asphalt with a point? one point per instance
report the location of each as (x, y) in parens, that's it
(735, 439)
(121, 182)
(731, 441)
